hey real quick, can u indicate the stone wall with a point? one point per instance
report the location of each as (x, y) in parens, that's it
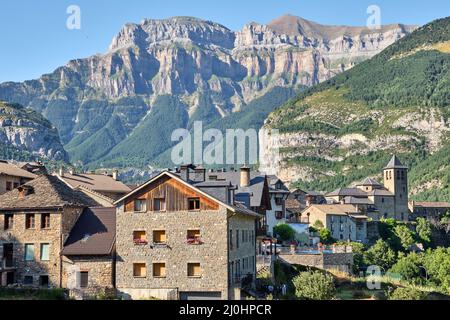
(212, 254)
(327, 261)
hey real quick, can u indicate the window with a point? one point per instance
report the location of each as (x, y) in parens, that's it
(237, 239)
(231, 239)
(382, 200)
(139, 270)
(84, 279)
(9, 185)
(29, 252)
(159, 204)
(16, 185)
(194, 270)
(194, 237)
(9, 221)
(279, 201)
(398, 175)
(28, 280)
(159, 270)
(43, 281)
(29, 221)
(140, 237)
(45, 221)
(140, 205)
(341, 227)
(194, 204)
(159, 237)
(279, 215)
(45, 252)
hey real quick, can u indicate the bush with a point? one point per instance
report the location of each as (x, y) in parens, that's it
(325, 236)
(314, 286)
(405, 235)
(284, 231)
(407, 294)
(423, 229)
(318, 225)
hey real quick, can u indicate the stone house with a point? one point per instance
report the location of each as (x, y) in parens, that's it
(344, 221)
(89, 253)
(11, 176)
(429, 210)
(179, 236)
(35, 220)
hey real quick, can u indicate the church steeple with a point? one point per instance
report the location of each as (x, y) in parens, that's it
(395, 176)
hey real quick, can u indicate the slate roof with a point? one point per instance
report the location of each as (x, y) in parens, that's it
(354, 192)
(380, 192)
(431, 204)
(370, 182)
(13, 170)
(256, 187)
(395, 163)
(47, 192)
(294, 206)
(96, 182)
(93, 233)
(337, 209)
(353, 200)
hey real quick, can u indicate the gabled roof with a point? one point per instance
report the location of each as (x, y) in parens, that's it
(426, 204)
(13, 170)
(353, 200)
(236, 207)
(395, 163)
(96, 182)
(336, 209)
(45, 192)
(369, 182)
(380, 192)
(93, 233)
(354, 192)
(256, 188)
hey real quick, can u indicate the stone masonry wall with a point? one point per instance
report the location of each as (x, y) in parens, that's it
(100, 269)
(212, 254)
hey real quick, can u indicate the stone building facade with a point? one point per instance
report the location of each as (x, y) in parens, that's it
(174, 241)
(35, 221)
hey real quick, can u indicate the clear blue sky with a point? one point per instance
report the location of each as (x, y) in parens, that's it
(35, 40)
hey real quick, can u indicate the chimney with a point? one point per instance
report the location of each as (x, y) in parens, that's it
(61, 172)
(199, 174)
(72, 171)
(184, 172)
(245, 177)
(115, 175)
(308, 200)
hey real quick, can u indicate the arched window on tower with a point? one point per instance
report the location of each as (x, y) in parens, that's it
(398, 174)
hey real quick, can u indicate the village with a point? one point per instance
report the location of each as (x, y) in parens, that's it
(187, 233)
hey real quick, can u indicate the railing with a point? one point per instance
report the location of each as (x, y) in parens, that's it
(304, 220)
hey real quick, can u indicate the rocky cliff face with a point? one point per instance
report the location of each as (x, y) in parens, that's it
(347, 128)
(103, 99)
(26, 130)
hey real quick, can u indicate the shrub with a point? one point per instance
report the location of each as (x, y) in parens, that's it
(325, 236)
(409, 268)
(314, 286)
(405, 235)
(407, 294)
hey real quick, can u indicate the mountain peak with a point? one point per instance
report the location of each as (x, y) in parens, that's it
(298, 26)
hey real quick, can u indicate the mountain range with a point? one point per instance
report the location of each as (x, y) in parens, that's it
(347, 128)
(118, 109)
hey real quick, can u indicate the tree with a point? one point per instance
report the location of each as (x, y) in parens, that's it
(437, 265)
(318, 225)
(409, 267)
(405, 235)
(423, 229)
(284, 231)
(325, 236)
(407, 294)
(380, 254)
(314, 286)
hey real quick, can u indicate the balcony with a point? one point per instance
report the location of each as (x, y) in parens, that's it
(7, 263)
